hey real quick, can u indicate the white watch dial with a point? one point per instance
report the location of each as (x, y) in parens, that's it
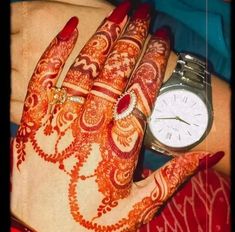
(179, 118)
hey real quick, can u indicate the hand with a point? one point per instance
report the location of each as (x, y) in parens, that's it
(77, 147)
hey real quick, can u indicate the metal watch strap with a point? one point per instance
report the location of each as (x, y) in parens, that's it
(192, 71)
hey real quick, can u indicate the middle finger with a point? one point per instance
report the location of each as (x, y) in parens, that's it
(113, 78)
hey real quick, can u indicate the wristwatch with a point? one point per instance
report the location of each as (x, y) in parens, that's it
(182, 115)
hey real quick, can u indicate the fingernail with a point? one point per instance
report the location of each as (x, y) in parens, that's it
(142, 11)
(120, 12)
(69, 28)
(163, 33)
(210, 160)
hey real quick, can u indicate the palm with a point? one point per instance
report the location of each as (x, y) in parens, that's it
(74, 160)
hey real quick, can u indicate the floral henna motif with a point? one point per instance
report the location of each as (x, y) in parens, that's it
(124, 55)
(119, 150)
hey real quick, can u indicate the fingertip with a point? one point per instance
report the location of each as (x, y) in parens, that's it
(210, 160)
(119, 13)
(68, 29)
(142, 12)
(163, 32)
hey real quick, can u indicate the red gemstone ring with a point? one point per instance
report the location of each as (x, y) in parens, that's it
(126, 106)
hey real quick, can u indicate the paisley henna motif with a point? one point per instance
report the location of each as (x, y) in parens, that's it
(167, 181)
(124, 139)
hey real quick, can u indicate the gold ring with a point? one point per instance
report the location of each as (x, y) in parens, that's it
(60, 95)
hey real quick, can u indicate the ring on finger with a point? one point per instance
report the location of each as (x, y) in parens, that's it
(126, 105)
(60, 95)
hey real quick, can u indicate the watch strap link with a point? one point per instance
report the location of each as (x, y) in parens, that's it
(192, 71)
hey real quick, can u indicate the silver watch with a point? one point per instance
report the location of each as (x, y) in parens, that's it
(182, 115)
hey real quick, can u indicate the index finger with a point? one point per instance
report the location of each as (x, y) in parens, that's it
(53, 59)
(49, 68)
(90, 60)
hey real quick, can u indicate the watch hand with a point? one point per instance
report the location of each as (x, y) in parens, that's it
(167, 118)
(175, 118)
(181, 120)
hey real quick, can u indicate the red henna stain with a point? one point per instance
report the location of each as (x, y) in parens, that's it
(127, 182)
(105, 91)
(84, 148)
(88, 126)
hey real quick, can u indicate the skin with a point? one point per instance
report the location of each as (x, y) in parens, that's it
(30, 17)
(73, 163)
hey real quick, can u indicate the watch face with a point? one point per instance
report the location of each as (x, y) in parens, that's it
(179, 118)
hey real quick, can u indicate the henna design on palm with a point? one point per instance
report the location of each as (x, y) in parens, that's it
(80, 149)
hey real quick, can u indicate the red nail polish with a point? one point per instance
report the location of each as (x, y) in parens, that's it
(210, 160)
(68, 29)
(142, 11)
(163, 33)
(120, 12)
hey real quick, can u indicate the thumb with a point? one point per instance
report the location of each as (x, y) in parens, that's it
(161, 184)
